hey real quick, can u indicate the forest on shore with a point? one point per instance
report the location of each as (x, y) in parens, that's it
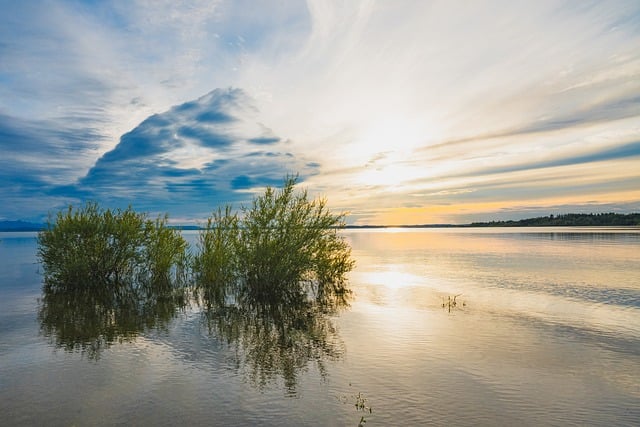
(564, 220)
(599, 219)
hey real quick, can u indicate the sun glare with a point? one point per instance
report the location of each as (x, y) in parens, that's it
(388, 135)
(392, 278)
(384, 151)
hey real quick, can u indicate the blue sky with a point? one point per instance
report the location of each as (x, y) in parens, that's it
(396, 111)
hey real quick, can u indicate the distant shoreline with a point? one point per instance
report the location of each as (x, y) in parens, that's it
(566, 220)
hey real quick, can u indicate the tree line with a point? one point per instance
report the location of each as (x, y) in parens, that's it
(571, 219)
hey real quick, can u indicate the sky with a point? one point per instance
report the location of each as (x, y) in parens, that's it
(397, 112)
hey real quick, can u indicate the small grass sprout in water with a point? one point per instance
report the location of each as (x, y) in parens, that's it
(360, 403)
(450, 303)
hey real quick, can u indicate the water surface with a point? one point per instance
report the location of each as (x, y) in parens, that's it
(545, 331)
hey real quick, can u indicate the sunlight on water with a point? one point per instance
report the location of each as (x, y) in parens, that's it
(538, 312)
(545, 330)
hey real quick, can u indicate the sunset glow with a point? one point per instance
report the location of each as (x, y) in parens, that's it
(397, 112)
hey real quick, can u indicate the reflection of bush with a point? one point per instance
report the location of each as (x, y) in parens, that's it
(277, 341)
(90, 320)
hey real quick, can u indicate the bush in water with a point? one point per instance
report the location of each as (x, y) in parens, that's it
(89, 246)
(283, 249)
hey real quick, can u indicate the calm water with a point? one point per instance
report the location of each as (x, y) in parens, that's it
(545, 331)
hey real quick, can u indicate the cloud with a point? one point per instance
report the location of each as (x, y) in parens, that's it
(115, 63)
(38, 156)
(265, 140)
(183, 160)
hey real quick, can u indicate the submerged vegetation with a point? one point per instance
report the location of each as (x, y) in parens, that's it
(91, 247)
(108, 276)
(360, 405)
(284, 249)
(268, 278)
(451, 303)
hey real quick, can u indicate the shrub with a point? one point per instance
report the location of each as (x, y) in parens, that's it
(284, 249)
(88, 246)
(164, 254)
(216, 263)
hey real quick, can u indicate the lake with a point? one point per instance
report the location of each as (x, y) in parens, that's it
(495, 326)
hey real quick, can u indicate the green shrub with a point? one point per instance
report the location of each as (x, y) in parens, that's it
(216, 263)
(284, 249)
(88, 247)
(164, 254)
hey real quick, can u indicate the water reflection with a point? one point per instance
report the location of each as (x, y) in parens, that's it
(277, 341)
(269, 341)
(92, 319)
